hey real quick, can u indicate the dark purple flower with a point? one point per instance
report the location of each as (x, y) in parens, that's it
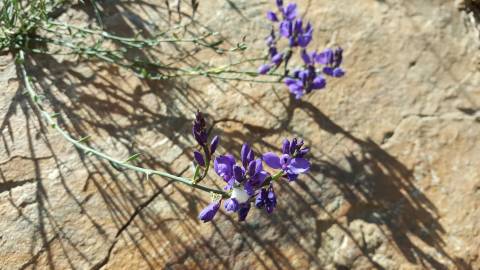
(199, 129)
(250, 175)
(214, 144)
(279, 3)
(199, 158)
(209, 212)
(272, 16)
(292, 162)
(266, 199)
(243, 211)
(231, 205)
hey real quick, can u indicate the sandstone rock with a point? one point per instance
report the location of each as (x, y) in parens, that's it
(395, 181)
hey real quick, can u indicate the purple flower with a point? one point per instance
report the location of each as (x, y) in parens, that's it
(266, 199)
(272, 16)
(209, 212)
(290, 12)
(279, 3)
(332, 61)
(305, 36)
(249, 176)
(199, 158)
(305, 81)
(286, 29)
(223, 166)
(292, 161)
(231, 205)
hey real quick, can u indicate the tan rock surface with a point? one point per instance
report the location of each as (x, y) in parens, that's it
(395, 182)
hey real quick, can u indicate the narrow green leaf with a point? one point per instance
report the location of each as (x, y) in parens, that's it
(133, 157)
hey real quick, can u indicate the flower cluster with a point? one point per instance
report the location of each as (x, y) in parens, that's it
(200, 134)
(247, 182)
(308, 78)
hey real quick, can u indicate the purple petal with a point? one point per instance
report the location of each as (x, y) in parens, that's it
(304, 40)
(285, 160)
(292, 177)
(289, 81)
(259, 178)
(244, 154)
(248, 187)
(272, 51)
(223, 166)
(293, 146)
(261, 198)
(328, 71)
(251, 167)
(271, 200)
(238, 173)
(250, 156)
(297, 27)
(264, 69)
(277, 59)
(272, 16)
(285, 146)
(272, 160)
(338, 72)
(258, 166)
(243, 211)
(292, 41)
(231, 205)
(209, 212)
(290, 11)
(296, 89)
(214, 144)
(299, 165)
(199, 158)
(319, 82)
(325, 57)
(286, 29)
(303, 152)
(230, 183)
(279, 3)
(306, 57)
(303, 75)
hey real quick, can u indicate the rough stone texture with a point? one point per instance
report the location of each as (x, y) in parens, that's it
(395, 183)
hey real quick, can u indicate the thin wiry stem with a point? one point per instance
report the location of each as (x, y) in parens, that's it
(87, 149)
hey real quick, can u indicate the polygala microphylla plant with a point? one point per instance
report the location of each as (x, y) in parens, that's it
(307, 78)
(246, 181)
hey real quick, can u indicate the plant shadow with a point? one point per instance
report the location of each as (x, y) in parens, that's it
(157, 220)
